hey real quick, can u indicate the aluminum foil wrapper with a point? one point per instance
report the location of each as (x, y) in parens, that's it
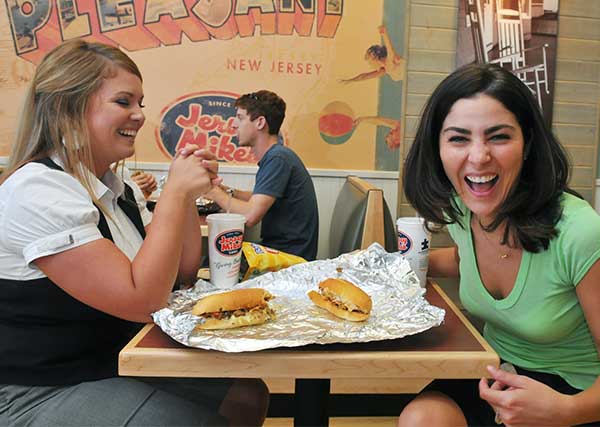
(399, 306)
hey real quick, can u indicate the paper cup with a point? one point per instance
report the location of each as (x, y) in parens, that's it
(413, 243)
(225, 236)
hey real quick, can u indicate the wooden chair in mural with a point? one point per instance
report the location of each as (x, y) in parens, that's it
(474, 14)
(511, 50)
(534, 76)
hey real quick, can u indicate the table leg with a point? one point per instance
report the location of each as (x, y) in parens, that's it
(311, 402)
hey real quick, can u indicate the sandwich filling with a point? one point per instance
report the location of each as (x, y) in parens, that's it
(338, 302)
(240, 312)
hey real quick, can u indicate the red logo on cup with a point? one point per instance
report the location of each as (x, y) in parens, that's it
(229, 243)
(404, 243)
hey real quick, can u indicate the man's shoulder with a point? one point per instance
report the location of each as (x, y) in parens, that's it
(284, 153)
(281, 150)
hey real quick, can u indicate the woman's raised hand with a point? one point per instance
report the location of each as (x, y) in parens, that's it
(188, 173)
(209, 161)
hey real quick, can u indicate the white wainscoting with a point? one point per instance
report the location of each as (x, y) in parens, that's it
(327, 183)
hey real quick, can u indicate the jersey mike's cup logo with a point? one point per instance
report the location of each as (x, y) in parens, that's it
(204, 119)
(229, 243)
(404, 243)
(225, 237)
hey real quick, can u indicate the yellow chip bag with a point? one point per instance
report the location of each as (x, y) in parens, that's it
(260, 259)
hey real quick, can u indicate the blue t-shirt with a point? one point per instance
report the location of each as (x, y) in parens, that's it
(292, 223)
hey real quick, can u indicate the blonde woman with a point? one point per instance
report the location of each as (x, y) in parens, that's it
(83, 263)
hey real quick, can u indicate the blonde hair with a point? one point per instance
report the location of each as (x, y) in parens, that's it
(53, 119)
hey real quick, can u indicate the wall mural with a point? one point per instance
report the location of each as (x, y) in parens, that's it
(343, 86)
(519, 35)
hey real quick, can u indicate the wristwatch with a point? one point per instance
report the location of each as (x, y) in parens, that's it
(230, 191)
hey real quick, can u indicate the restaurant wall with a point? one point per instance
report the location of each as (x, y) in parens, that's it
(431, 56)
(198, 56)
(305, 64)
(431, 45)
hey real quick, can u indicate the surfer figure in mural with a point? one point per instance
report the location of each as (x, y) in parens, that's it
(384, 59)
(392, 139)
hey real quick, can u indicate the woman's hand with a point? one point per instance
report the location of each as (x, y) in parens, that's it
(209, 161)
(522, 401)
(145, 181)
(188, 175)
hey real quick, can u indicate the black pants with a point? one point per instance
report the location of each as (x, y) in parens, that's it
(477, 411)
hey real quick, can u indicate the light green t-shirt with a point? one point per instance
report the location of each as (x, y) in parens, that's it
(540, 325)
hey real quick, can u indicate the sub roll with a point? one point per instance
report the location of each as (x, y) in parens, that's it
(233, 309)
(343, 299)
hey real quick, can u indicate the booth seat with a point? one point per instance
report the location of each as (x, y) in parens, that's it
(361, 217)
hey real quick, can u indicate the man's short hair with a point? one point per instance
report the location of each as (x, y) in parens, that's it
(264, 103)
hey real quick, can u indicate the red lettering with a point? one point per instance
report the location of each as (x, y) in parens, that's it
(137, 25)
(296, 15)
(194, 112)
(169, 22)
(329, 15)
(247, 18)
(188, 137)
(226, 150)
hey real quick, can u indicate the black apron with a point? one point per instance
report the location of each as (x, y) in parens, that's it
(48, 337)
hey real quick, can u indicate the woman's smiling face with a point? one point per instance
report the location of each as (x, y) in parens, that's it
(114, 116)
(481, 148)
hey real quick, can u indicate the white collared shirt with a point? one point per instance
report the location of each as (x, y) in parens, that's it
(45, 211)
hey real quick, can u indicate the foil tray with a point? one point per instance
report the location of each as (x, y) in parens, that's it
(399, 306)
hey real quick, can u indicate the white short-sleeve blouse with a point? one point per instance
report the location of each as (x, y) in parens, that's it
(45, 211)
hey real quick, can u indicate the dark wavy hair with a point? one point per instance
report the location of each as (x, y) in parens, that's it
(377, 51)
(264, 103)
(532, 207)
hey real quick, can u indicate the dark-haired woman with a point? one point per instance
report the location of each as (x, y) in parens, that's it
(485, 164)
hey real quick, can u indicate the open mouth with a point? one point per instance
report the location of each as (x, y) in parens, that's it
(481, 184)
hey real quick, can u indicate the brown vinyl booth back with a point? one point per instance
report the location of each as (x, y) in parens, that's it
(361, 217)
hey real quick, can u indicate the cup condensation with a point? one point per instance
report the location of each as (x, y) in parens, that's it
(413, 244)
(225, 237)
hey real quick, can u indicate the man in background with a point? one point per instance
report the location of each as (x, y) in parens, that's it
(283, 197)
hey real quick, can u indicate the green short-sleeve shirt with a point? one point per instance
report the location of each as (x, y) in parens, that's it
(540, 325)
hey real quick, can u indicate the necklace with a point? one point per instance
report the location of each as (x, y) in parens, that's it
(503, 254)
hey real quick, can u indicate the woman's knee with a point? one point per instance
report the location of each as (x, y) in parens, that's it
(430, 409)
(246, 402)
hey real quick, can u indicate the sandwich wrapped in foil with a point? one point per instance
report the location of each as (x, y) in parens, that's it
(399, 306)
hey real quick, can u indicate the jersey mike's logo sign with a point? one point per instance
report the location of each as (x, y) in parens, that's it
(404, 243)
(204, 119)
(229, 243)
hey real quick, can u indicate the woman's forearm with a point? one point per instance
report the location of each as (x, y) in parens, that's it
(192, 246)
(584, 407)
(444, 262)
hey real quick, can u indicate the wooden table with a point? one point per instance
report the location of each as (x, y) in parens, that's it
(453, 350)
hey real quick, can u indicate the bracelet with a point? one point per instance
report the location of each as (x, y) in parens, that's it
(230, 191)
